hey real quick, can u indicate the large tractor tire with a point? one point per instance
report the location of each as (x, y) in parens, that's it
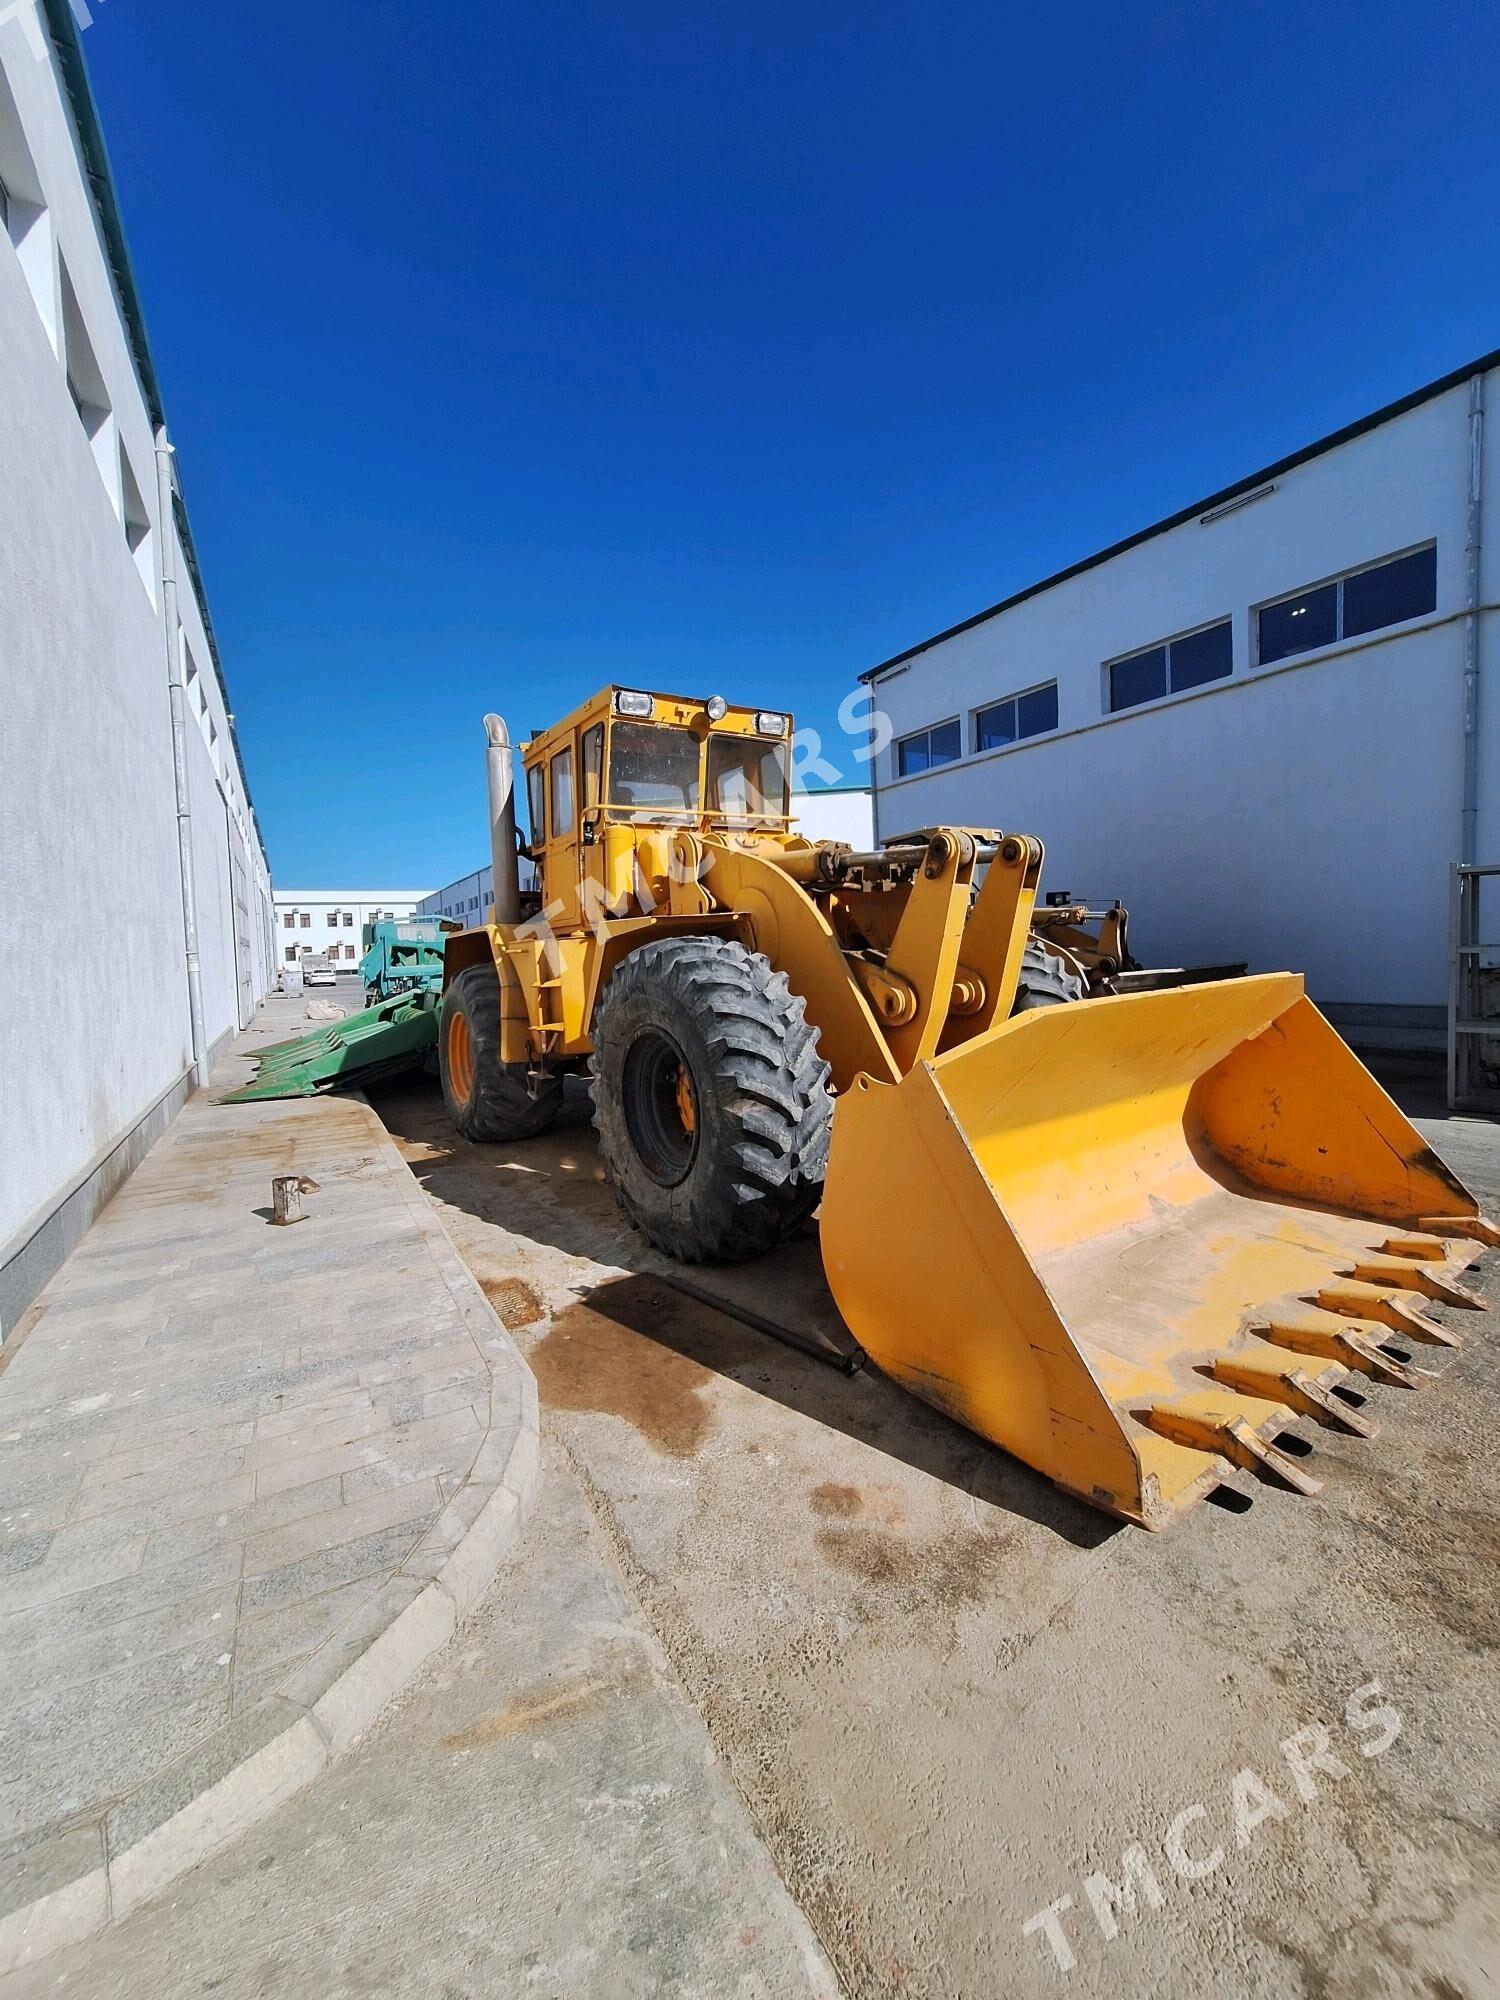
(488, 1100)
(1046, 980)
(710, 1098)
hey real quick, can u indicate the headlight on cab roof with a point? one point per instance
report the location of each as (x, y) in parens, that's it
(716, 708)
(769, 723)
(627, 702)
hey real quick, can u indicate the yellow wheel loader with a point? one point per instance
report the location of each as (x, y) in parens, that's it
(1131, 1239)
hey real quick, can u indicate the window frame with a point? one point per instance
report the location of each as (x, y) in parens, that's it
(1013, 702)
(563, 825)
(1224, 621)
(536, 803)
(911, 736)
(591, 768)
(1336, 583)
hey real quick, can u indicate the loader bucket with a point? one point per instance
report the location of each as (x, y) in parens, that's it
(1133, 1240)
(394, 1035)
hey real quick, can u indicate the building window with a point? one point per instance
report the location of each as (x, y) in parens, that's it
(1363, 600)
(90, 396)
(349, 923)
(291, 954)
(24, 218)
(289, 921)
(137, 524)
(1172, 667)
(942, 744)
(1031, 713)
(305, 920)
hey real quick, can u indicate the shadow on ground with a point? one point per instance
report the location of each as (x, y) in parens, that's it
(638, 1347)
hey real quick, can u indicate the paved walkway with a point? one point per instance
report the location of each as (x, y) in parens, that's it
(249, 1479)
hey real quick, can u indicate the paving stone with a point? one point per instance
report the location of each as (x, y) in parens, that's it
(186, 1777)
(348, 1522)
(329, 1567)
(23, 1551)
(29, 1642)
(154, 1501)
(301, 1471)
(277, 1637)
(43, 1861)
(314, 1437)
(190, 1445)
(48, 1581)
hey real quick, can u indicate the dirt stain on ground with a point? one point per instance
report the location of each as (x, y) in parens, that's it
(515, 1303)
(618, 1355)
(839, 1501)
(945, 1575)
(529, 1711)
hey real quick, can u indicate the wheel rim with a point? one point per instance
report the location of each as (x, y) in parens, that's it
(460, 1056)
(661, 1107)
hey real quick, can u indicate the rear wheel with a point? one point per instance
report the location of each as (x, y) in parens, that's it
(710, 1099)
(488, 1100)
(1046, 980)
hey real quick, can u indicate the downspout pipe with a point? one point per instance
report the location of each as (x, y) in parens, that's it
(177, 697)
(1469, 836)
(504, 861)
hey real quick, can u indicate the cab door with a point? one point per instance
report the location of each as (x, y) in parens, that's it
(561, 866)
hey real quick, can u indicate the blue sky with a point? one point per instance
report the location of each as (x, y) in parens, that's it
(514, 349)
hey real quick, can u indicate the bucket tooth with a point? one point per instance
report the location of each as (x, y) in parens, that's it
(1472, 1226)
(1219, 1424)
(1349, 1295)
(1405, 1276)
(1356, 1346)
(1424, 1249)
(1263, 1370)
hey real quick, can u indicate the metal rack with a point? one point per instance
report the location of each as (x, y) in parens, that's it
(1467, 1020)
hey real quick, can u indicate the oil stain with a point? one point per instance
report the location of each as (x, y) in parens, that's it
(619, 1354)
(840, 1501)
(945, 1575)
(515, 1303)
(527, 1711)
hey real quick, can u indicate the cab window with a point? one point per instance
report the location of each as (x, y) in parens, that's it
(562, 794)
(654, 770)
(593, 764)
(747, 777)
(535, 801)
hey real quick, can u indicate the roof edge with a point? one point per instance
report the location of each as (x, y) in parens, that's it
(1386, 414)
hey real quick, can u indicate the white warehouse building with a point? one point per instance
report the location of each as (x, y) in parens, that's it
(331, 921)
(135, 885)
(1269, 724)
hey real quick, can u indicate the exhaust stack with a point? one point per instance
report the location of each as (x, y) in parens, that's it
(500, 762)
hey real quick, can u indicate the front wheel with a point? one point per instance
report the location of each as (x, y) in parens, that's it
(488, 1100)
(710, 1098)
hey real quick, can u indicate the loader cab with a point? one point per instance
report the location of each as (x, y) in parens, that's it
(609, 785)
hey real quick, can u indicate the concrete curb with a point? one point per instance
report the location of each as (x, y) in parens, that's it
(446, 1574)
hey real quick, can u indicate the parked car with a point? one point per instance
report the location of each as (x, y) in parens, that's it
(316, 971)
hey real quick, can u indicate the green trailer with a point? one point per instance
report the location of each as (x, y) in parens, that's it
(404, 955)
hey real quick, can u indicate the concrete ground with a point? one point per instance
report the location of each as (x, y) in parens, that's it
(542, 1813)
(948, 1698)
(950, 1695)
(238, 1466)
(230, 1460)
